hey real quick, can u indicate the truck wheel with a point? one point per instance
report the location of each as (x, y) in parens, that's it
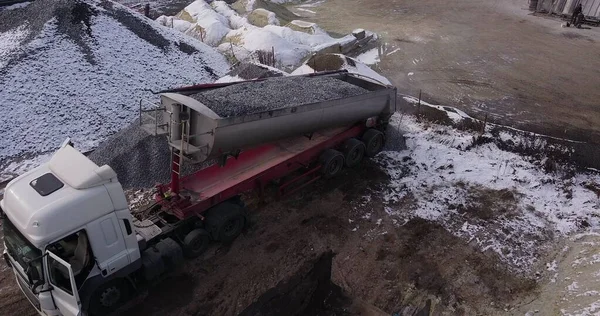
(226, 221)
(332, 162)
(195, 243)
(373, 140)
(108, 297)
(354, 151)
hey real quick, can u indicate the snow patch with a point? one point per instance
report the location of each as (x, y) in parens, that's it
(392, 52)
(224, 28)
(15, 6)
(440, 171)
(313, 4)
(369, 57)
(250, 5)
(591, 310)
(10, 42)
(306, 10)
(454, 114)
(215, 26)
(552, 266)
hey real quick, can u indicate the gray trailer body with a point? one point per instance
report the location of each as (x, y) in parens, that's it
(203, 134)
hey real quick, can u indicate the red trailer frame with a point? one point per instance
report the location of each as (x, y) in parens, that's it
(252, 170)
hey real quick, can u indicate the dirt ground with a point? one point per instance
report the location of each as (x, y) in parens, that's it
(486, 57)
(386, 267)
(572, 285)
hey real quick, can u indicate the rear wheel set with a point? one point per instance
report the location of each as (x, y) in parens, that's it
(374, 141)
(351, 153)
(224, 222)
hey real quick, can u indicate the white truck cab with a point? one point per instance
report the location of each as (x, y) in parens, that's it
(68, 234)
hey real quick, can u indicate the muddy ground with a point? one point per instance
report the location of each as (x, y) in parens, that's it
(382, 266)
(485, 57)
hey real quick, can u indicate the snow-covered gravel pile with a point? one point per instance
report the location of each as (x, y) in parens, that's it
(275, 93)
(497, 200)
(78, 69)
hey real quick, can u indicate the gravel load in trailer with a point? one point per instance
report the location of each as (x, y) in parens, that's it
(226, 118)
(275, 93)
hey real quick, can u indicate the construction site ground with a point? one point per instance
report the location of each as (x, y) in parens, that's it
(486, 57)
(386, 267)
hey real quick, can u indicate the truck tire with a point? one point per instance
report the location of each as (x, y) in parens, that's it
(332, 162)
(108, 297)
(195, 243)
(373, 140)
(225, 221)
(354, 151)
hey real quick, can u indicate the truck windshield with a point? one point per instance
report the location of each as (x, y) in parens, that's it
(19, 248)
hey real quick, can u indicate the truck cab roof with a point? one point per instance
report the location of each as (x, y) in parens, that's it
(61, 196)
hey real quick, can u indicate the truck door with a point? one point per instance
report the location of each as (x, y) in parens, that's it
(64, 289)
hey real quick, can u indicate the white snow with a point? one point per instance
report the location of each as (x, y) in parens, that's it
(15, 6)
(231, 32)
(306, 10)
(229, 78)
(250, 38)
(589, 293)
(215, 25)
(304, 24)
(369, 57)
(235, 20)
(573, 286)
(297, 37)
(453, 113)
(250, 5)
(590, 310)
(10, 42)
(440, 171)
(271, 16)
(311, 4)
(392, 52)
(56, 93)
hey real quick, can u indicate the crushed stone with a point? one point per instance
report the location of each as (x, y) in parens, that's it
(274, 93)
(82, 66)
(140, 160)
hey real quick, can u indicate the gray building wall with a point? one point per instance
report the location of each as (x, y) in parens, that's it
(590, 7)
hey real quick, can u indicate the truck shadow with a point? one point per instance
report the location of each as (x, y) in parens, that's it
(172, 292)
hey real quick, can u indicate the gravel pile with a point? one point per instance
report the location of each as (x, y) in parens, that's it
(275, 93)
(61, 60)
(139, 159)
(251, 71)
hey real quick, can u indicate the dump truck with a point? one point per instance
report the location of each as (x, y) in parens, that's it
(75, 246)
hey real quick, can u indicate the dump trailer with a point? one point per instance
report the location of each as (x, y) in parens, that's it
(76, 247)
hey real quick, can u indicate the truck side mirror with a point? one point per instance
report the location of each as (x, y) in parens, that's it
(32, 274)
